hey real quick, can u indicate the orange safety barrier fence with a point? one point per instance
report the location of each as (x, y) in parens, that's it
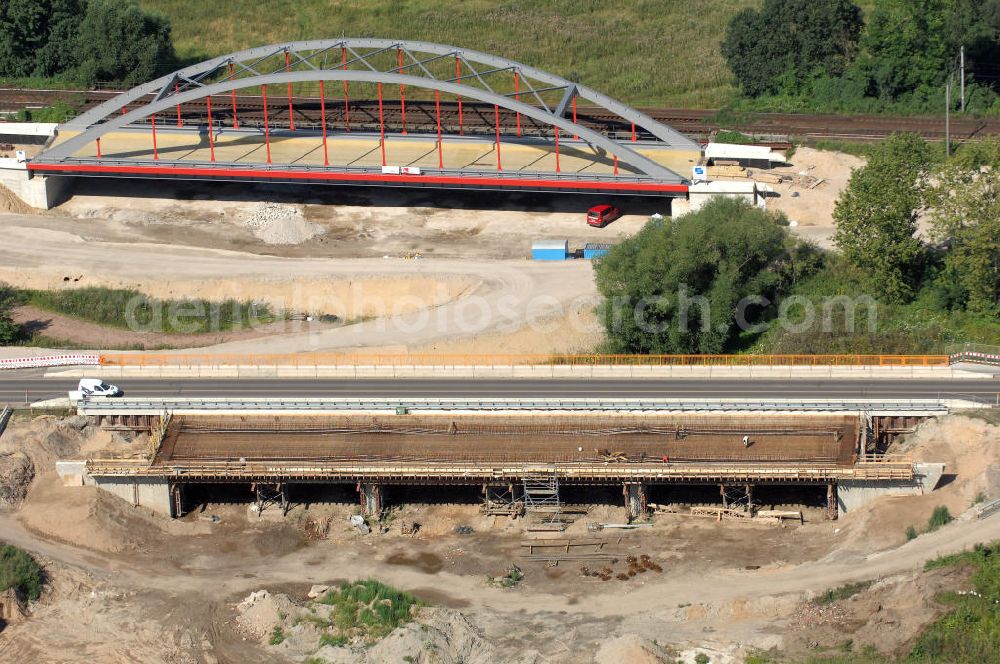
(379, 359)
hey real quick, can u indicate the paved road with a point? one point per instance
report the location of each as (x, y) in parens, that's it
(13, 388)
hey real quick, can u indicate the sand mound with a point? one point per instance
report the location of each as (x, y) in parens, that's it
(442, 635)
(87, 517)
(261, 611)
(84, 516)
(280, 224)
(630, 648)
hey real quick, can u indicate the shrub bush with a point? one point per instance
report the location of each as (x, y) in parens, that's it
(18, 570)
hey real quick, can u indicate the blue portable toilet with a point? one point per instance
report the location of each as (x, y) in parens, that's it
(549, 250)
(593, 250)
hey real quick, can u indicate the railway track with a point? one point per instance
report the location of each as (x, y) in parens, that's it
(477, 118)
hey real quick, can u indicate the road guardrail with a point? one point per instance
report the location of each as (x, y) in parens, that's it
(181, 404)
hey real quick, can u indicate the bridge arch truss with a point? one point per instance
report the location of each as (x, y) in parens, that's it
(426, 70)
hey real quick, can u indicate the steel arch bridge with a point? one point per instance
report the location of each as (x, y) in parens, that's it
(518, 127)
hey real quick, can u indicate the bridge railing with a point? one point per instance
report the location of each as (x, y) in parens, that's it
(422, 359)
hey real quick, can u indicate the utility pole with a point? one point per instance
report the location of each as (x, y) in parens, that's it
(961, 58)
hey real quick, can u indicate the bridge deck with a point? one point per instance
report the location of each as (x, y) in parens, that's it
(131, 152)
(826, 439)
(460, 449)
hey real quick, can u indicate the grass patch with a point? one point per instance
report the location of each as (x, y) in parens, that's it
(367, 610)
(970, 633)
(734, 138)
(513, 577)
(855, 148)
(18, 570)
(132, 310)
(841, 592)
(664, 54)
(277, 636)
(60, 112)
(334, 640)
(939, 517)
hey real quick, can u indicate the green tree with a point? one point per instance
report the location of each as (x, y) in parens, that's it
(964, 203)
(119, 41)
(24, 29)
(786, 42)
(876, 217)
(906, 47)
(9, 330)
(58, 54)
(675, 287)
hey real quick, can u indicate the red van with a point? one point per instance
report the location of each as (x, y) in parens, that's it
(600, 216)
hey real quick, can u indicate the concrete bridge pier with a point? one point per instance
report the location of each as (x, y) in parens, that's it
(371, 500)
(635, 501)
(832, 511)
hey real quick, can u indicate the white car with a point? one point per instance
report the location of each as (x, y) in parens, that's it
(94, 387)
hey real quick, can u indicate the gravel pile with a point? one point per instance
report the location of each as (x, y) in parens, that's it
(280, 224)
(16, 473)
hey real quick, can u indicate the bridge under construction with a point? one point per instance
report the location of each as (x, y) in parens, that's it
(513, 458)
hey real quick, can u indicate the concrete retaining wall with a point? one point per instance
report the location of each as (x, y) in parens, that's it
(73, 473)
(139, 491)
(853, 495)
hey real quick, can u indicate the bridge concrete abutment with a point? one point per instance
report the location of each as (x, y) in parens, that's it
(153, 493)
(42, 192)
(853, 494)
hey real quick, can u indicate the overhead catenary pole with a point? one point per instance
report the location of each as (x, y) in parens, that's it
(267, 127)
(211, 133)
(381, 123)
(291, 112)
(402, 88)
(322, 116)
(961, 57)
(458, 80)
(496, 123)
(347, 103)
(575, 137)
(437, 112)
(947, 117)
(517, 97)
(232, 96)
(152, 120)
